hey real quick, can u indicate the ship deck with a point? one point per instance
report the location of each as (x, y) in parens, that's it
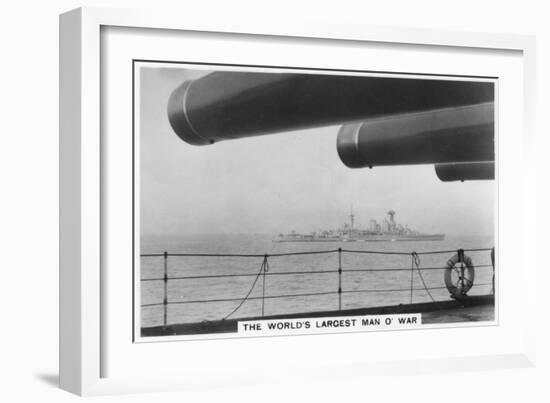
(479, 308)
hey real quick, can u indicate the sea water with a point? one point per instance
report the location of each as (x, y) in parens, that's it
(369, 288)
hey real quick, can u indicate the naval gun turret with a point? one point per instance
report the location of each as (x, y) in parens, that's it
(386, 120)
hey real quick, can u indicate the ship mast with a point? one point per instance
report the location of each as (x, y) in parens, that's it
(351, 216)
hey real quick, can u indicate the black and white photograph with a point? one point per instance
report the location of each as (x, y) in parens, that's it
(267, 202)
(271, 200)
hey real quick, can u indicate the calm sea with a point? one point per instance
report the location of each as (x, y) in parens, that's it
(368, 286)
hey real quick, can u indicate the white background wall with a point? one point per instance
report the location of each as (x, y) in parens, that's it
(29, 201)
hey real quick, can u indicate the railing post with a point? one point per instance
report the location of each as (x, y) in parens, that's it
(264, 269)
(339, 279)
(412, 277)
(493, 263)
(460, 254)
(165, 301)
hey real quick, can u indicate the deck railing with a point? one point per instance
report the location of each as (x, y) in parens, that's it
(338, 291)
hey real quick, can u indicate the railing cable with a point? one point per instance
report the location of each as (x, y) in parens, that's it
(373, 252)
(263, 269)
(416, 262)
(309, 294)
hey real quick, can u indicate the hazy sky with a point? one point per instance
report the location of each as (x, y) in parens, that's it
(282, 182)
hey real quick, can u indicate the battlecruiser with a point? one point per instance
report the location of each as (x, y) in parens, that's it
(388, 231)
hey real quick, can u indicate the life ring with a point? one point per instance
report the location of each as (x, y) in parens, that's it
(459, 275)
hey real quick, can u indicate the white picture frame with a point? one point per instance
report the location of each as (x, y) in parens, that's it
(82, 307)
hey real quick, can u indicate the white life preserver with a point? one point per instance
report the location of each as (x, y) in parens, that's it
(459, 279)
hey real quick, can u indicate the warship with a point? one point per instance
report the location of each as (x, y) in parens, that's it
(388, 231)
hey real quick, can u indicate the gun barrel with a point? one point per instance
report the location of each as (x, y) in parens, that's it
(462, 134)
(465, 171)
(228, 105)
